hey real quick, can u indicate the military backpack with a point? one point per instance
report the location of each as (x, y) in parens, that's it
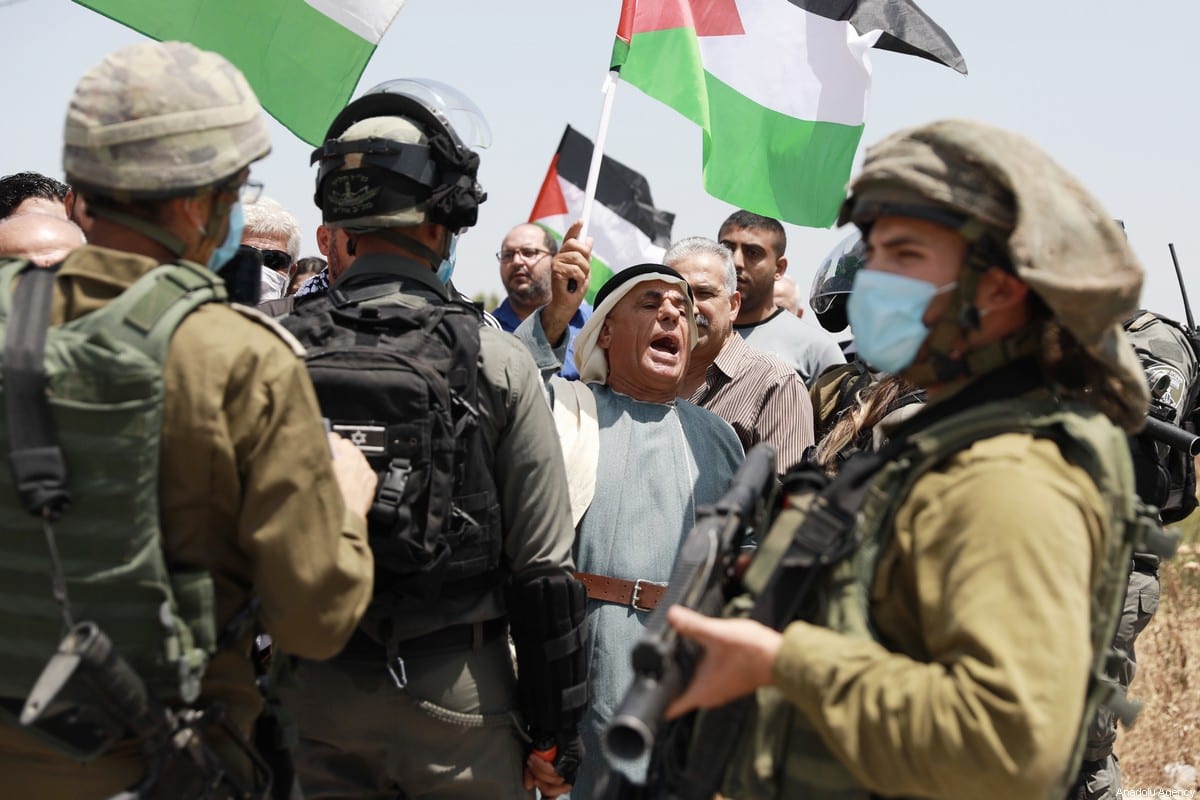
(396, 373)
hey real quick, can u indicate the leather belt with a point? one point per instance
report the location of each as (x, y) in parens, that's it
(640, 595)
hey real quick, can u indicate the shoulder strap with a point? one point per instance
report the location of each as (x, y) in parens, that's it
(38, 469)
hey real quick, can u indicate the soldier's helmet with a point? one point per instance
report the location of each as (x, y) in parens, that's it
(403, 154)
(994, 185)
(831, 285)
(161, 119)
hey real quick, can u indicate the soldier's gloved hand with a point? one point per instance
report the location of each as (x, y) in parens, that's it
(553, 778)
(570, 756)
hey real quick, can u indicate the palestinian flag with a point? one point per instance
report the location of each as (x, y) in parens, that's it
(626, 227)
(302, 57)
(779, 86)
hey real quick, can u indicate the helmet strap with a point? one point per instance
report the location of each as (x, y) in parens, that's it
(148, 229)
(410, 244)
(962, 317)
(217, 211)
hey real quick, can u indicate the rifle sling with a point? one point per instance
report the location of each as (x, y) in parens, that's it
(38, 468)
(35, 458)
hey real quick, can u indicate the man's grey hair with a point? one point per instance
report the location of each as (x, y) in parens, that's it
(266, 217)
(703, 246)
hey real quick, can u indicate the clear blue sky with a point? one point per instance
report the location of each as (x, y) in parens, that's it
(1108, 87)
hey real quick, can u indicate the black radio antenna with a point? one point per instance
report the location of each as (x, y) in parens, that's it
(1187, 307)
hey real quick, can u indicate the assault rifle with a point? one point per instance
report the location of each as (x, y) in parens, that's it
(690, 756)
(90, 698)
(663, 662)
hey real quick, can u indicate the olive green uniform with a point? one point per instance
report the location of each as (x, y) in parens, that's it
(993, 542)
(247, 492)
(982, 598)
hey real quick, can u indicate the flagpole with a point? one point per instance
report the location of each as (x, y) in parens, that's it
(589, 195)
(593, 178)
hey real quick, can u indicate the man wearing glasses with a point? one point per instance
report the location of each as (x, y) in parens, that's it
(274, 233)
(525, 257)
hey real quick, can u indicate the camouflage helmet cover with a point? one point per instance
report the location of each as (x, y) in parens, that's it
(1059, 239)
(157, 119)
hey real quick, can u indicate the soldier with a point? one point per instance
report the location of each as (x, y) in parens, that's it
(471, 527)
(1166, 480)
(160, 137)
(967, 632)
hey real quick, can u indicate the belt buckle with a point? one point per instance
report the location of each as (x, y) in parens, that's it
(637, 593)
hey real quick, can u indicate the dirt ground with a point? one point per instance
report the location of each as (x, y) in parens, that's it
(1162, 750)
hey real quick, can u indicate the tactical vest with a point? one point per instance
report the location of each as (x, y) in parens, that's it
(105, 387)
(780, 754)
(399, 378)
(835, 391)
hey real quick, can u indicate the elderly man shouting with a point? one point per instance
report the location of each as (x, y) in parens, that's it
(639, 460)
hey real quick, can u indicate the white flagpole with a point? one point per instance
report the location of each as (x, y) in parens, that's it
(589, 196)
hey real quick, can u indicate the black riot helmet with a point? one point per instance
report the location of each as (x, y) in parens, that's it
(402, 154)
(831, 285)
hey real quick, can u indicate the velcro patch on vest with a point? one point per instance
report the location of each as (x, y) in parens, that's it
(371, 438)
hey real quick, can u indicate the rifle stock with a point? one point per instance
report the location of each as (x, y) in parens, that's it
(662, 661)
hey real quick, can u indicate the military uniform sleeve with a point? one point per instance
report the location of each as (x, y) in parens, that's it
(549, 359)
(530, 477)
(985, 594)
(251, 481)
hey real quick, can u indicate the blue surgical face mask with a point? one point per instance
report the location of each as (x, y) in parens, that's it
(446, 268)
(886, 312)
(233, 238)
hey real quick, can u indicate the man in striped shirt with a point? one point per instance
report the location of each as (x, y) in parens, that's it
(758, 394)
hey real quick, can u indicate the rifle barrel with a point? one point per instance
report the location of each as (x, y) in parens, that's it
(1173, 436)
(634, 727)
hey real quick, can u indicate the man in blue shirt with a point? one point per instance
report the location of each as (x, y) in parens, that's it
(525, 265)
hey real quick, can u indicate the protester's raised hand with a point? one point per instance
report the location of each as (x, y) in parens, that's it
(569, 273)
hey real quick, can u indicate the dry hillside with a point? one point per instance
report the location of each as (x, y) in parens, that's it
(1162, 751)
